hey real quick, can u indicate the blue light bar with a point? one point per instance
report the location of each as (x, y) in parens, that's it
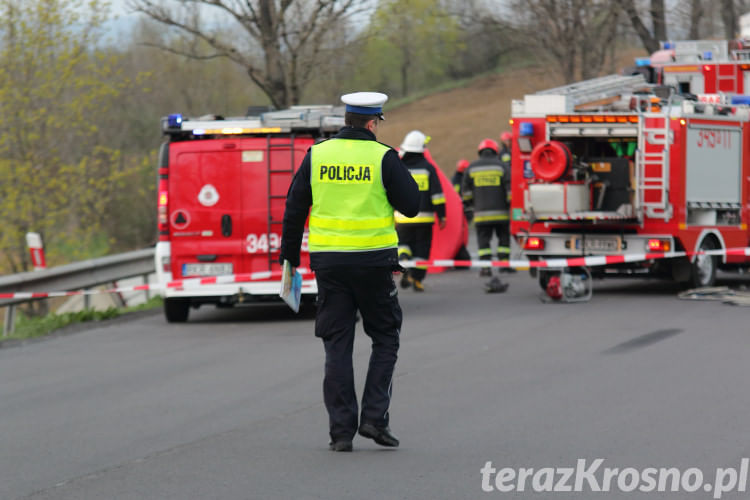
(741, 99)
(642, 61)
(668, 45)
(174, 120)
(708, 55)
(526, 128)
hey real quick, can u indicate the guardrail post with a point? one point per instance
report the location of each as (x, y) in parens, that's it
(10, 320)
(86, 301)
(117, 297)
(148, 292)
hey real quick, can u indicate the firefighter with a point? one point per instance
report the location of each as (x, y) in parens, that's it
(505, 156)
(459, 174)
(485, 188)
(415, 234)
(462, 253)
(504, 153)
(353, 184)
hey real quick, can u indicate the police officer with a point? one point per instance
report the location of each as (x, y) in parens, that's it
(485, 187)
(415, 233)
(353, 183)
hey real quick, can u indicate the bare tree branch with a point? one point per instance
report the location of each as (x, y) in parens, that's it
(650, 42)
(289, 33)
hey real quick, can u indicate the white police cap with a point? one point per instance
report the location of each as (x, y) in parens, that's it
(365, 103)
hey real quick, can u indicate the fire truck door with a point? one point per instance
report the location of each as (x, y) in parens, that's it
(268, 165)
(204, 209)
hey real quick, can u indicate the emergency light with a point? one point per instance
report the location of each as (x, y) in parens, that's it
(708, 55)
(642, 61)
(526, 128)
(174, 120)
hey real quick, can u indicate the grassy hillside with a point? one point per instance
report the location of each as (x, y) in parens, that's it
(458, 119)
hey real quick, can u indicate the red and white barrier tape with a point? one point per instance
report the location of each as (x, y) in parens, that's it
(590, 261)
(176, 284)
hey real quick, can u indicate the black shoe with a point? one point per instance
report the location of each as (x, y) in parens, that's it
(381, 435)
(340, 446)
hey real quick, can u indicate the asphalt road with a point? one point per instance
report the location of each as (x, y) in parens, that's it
(229, 405)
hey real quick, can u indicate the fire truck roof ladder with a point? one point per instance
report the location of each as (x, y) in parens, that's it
(597, 92)
(272, 146)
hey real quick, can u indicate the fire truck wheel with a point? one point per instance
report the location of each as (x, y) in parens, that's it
(176, 310)
(704, 267)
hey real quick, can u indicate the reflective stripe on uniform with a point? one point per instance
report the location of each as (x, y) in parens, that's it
(484, 252)
(491, 215)
(351, 242)
(327, 223)
(503, 249)
(486, 168)
(420, 218)
(438, 199)
(404, 250)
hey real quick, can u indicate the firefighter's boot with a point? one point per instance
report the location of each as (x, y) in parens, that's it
(418, 286)
(406, 281)
(495, 286)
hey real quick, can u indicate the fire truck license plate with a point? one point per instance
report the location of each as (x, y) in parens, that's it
(213, 269)
(600, 244)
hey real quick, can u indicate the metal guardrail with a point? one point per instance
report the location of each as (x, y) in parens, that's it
(76, 276)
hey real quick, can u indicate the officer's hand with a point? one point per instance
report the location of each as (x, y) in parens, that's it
(441, 223)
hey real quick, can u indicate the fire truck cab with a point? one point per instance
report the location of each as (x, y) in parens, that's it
(222, 186)
(651, 162)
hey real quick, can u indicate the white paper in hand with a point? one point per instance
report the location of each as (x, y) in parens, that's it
(291, 286)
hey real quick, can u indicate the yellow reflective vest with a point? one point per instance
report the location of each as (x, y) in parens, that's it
(350, 210)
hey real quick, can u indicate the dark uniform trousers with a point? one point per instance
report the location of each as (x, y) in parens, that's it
(341, 292)
(484, 239)
(418, 237)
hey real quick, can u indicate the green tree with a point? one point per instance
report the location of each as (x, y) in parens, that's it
(57, 169)
(417, 40)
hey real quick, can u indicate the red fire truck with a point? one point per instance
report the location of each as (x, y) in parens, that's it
(654, 161)
(222, 186)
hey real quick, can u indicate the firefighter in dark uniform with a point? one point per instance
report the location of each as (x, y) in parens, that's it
(415, 233)
(504, 153)
(458, 175)
(506, 139)
(485, 188)
(353, 184)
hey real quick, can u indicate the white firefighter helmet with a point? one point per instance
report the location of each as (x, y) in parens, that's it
(413, 142)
